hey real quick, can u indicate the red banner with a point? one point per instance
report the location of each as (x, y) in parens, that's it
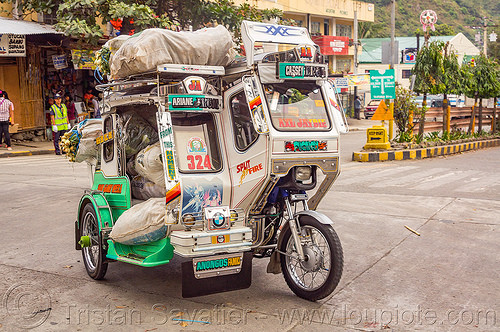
(332, 45)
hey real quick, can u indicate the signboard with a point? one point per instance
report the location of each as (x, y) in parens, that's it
(292, 70)
(83, 59)
(332, 45)
(193, 102)
(358, 79)
(382, 112)
(59, 61)
(409, 55)
(382, 84)
(341, 82)
(12, 45)
(386, 52)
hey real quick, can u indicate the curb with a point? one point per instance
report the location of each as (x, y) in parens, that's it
(26, 153)
(423, 152)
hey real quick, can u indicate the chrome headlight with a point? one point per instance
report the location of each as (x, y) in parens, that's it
(303, 173)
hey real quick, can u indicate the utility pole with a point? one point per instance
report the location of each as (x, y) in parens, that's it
(393, 32)
(355, 42)
(485, 38)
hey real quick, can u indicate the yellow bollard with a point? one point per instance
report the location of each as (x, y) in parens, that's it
(448, 118)
(410, 123)
(391, 121)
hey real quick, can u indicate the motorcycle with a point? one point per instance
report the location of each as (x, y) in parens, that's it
(248, 152)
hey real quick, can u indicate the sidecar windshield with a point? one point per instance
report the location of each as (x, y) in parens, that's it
(297, 106)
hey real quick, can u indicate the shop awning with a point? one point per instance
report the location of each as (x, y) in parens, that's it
(17, 27)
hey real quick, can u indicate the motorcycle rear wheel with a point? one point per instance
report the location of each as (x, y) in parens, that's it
(316, 277)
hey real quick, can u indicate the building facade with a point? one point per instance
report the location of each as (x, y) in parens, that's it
(330, 22)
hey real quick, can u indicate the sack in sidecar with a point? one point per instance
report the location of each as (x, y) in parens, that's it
(148, 164)
(144, 189)
(142, 223)
(137, 133)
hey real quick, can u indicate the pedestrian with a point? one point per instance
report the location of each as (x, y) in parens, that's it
(95, 106)
(70, 105)
(357, 108)
(6, 118)
(59, 120)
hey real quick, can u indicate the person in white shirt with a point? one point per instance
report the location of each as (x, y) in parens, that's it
(6, 118)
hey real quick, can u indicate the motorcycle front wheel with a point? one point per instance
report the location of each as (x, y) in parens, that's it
(318, 275)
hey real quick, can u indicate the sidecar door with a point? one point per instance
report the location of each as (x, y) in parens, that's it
(247, 149)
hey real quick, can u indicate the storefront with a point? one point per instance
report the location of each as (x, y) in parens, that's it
(21, 72)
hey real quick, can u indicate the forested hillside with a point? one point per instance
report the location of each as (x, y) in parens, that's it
(459, 15)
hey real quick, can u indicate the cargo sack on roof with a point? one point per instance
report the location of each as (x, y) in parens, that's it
(152, 47)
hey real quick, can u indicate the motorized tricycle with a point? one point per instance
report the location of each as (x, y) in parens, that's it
(248, 152)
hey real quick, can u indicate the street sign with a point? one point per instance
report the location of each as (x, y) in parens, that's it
(382, 84)
(382, 112)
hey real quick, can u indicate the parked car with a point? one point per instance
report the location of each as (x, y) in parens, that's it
(432, 101)
(371, 108)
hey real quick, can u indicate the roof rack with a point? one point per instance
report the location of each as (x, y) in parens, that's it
(191, 69)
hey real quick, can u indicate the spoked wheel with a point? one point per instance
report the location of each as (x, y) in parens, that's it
(93, 254)
(317, 276)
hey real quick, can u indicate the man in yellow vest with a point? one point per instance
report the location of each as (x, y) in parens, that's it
(59, 119)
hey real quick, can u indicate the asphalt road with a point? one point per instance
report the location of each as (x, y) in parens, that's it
(446, 279)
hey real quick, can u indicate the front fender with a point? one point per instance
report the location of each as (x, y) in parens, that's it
(316, 215)
(311, 213)
(99, 203)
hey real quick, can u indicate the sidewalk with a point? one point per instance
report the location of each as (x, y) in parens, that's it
(357, 125)
(27, 149)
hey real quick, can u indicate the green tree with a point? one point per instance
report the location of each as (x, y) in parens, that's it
(452, 79)
(80, 18)
(429, 78)
(404, 104)
(441, 30)
(483, 82)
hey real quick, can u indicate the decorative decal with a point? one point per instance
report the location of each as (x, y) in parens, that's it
(244, 168)
(300, 146)
(196, 145)
(198, 193)
(302, 123)
(110, 188)
(194, 84)
(193, 102)
(255, 105)
(105, 138)
(199, 162)
(306, 53)
(287, 70)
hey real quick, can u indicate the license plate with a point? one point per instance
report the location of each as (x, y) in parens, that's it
(214, 266)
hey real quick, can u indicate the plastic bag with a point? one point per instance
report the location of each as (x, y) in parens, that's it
(131, 167)
(142, 223)
(145, 189)
(137, 133)
(152, 47)
(87, 151)
(148, 163)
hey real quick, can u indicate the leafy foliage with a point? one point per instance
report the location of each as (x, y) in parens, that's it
(81, 18)
(404, 104)
(429, 69)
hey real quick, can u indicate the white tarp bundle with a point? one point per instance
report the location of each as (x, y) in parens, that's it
(142, 223)
(152, 47)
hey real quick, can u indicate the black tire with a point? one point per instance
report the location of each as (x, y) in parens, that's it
(94, 257)
(334, 260)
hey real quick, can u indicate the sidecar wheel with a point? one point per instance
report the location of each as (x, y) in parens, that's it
(94, 254)
(317, 276)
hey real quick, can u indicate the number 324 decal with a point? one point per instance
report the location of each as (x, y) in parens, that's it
(199, 162)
